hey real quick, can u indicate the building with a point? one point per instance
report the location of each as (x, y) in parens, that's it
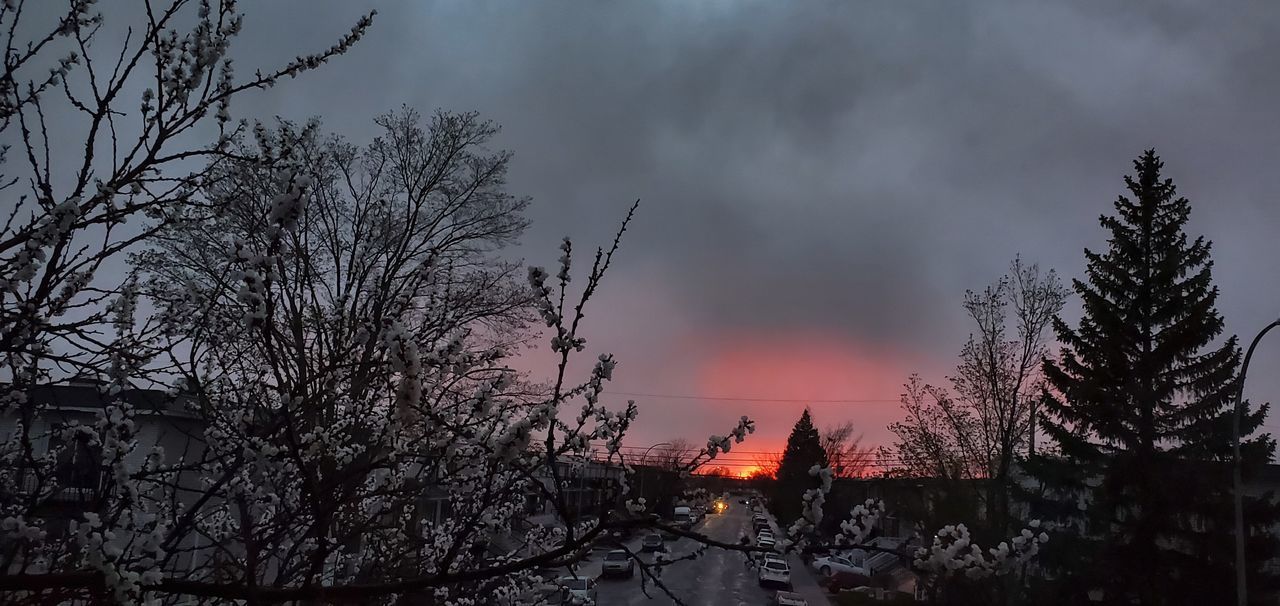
(590, 488)
(79, 480)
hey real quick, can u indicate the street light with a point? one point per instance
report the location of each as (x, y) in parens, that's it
(1241, 591)
(644, 460)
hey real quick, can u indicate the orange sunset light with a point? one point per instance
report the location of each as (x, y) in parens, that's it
(797, 368)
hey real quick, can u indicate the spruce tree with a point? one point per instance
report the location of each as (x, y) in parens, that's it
(804, 450)
(1140, 414)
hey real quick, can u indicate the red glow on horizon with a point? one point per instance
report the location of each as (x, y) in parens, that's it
(796, 367)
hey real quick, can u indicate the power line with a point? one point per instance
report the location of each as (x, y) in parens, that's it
(669, 396)
(693, 451)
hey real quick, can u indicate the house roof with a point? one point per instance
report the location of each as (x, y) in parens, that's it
(88, 396)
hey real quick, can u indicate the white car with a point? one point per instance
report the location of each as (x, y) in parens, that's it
(579, 587)
(786, 598)
(618, 562)
(775, 570)
(828, 565)
(766, 542)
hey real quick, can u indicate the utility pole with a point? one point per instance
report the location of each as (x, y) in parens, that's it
(1031, 450)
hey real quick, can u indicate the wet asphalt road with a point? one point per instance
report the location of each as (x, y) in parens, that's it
(717, 578)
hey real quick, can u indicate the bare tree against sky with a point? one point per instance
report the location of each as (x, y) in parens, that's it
(848, 457)
(978, 427)
(80, 197)
(677, 455)
(716, 470)
(765, 465)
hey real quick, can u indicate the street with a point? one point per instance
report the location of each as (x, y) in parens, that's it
(718, 578)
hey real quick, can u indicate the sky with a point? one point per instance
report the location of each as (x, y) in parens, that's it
(819, 182)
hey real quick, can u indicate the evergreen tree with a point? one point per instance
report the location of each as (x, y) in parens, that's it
(1140, 413)
(804, 450)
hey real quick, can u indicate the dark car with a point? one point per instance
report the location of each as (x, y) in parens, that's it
(612, 538)
(842, 580)
(550, 594)
(653, 542)
(618, 562)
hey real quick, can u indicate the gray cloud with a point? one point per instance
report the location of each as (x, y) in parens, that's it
(847, 168)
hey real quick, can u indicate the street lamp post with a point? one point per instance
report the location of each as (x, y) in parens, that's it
(1241, 589)
(644, 459)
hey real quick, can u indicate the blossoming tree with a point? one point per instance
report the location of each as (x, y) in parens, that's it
(334, 319)
(331, 315)
(950, 554)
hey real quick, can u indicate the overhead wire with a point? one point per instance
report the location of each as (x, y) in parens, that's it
(668, 396)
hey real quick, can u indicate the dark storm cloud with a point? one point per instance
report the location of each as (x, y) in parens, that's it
(849, 167)
(841, 167)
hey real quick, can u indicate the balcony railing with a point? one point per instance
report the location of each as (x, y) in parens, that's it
(84, 489)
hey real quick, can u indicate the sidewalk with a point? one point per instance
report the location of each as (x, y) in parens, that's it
(804, 583)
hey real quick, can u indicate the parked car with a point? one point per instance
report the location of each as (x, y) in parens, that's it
(547, 573)
(774, 571)
(612, 538)
(653, 542)
(766, 542)
(551, 594)
(829, 564)
(843, 581)
(786, 598)
(622, 534)
(579, 587)
(683, 517)
(618, 562)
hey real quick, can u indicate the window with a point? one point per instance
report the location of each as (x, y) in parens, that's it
(436, 509)
(79, 463)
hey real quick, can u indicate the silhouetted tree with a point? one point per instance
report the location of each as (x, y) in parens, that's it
(845, 453)
(979, 427)
(765, 465)
(804, 450)
(1140, 415)
(677, 455)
